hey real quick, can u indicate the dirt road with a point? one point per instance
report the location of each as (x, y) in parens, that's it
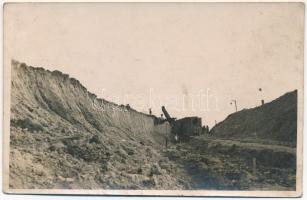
(228, 164)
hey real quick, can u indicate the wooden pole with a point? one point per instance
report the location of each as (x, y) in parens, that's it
(254, 167)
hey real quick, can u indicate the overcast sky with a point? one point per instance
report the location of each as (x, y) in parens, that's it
(152, 54)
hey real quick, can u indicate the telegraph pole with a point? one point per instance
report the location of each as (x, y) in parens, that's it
(235, 103)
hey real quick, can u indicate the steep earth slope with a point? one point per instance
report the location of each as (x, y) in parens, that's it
(274, 121)
(62, 136)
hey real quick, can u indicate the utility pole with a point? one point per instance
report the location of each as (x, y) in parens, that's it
(235, 103)
(254, 167)
(166, 135)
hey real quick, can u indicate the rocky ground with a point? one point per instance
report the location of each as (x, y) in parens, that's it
(45, 160)
(53, 160)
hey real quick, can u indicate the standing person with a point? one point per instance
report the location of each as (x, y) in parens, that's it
(176, 138)
(261, 96)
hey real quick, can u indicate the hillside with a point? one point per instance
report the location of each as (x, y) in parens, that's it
(273, 121)
(63, 136)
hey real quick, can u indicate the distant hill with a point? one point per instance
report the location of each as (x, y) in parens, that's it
(274, 121)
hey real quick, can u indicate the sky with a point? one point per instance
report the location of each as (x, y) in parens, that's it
(193, 58)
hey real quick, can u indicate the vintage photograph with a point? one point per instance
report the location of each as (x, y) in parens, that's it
(195, 99)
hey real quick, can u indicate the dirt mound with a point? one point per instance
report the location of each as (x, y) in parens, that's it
(274, 121)
(62, 136)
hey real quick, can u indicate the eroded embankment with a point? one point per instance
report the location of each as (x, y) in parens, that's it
(62, 136)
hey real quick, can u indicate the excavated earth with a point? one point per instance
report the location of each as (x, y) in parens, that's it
(62, 136)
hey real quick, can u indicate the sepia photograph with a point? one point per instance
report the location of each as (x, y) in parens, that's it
(168, 99)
